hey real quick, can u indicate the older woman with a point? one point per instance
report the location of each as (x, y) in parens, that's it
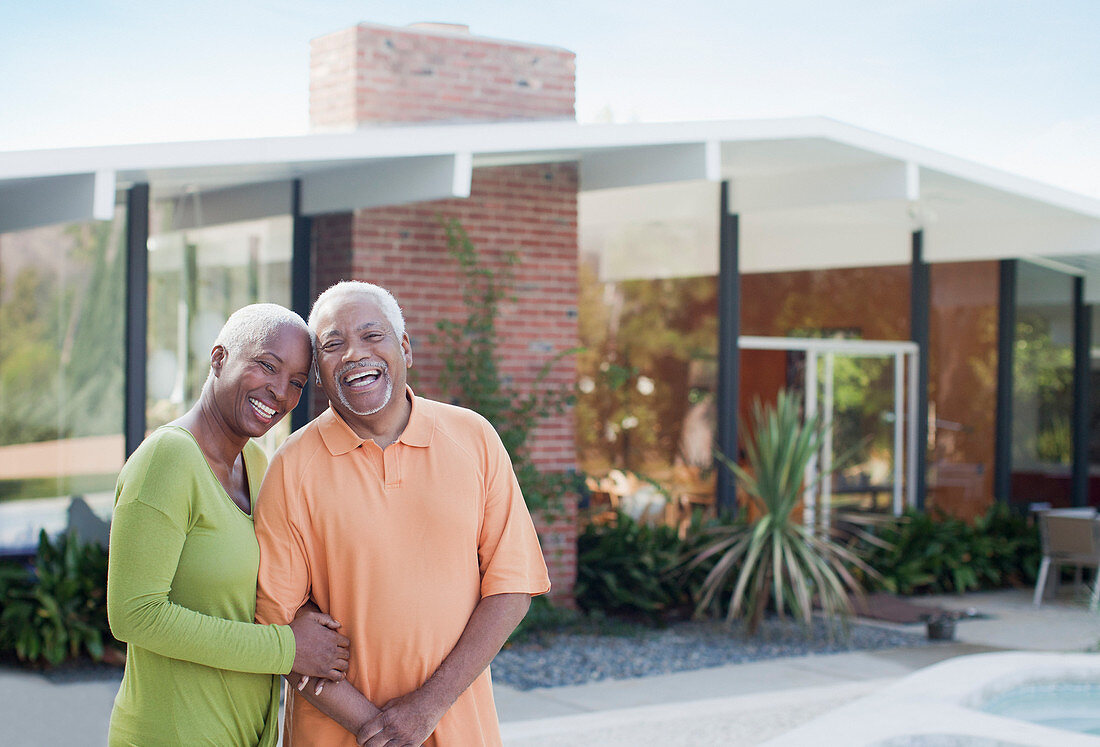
(181, 581)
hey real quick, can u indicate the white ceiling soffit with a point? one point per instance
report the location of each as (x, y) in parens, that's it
(230, 205)
(963, 220)
(786, 155)
(651, 231)
(654, 164)
(387, 182)
(1092, 289)
(813, 203)
(825, 237)
(1083, 265)
(27, 203)
(871, 182)
(369, 184)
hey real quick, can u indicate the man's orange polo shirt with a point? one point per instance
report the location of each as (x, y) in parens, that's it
(399, 545)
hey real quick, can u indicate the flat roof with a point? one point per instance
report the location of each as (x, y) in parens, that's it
(810, 171)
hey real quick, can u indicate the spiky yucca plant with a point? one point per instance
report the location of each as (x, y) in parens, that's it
(774, 557)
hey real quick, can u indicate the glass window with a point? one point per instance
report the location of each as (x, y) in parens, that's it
(197, 278)
(1042, 402)
(863, 303)
(962, 386)
(1094, 406)
(869, 303)
(648, 320)
(62, 301)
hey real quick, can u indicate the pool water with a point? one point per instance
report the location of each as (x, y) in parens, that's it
(1062, 705)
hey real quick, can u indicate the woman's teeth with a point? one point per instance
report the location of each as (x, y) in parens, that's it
(266, 412)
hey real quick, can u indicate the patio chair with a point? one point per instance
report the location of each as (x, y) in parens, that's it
(1070, 537)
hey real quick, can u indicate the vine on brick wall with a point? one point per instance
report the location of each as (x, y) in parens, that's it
(471, 371)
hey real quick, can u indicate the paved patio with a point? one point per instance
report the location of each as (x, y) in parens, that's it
(740, 704)
(748, 704)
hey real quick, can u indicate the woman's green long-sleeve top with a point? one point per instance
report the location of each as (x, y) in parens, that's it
(181, 592)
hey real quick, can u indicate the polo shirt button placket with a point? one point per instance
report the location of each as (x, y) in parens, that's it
(391, 466)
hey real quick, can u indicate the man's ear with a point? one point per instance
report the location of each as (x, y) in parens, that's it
(406, 350)
(217, 358)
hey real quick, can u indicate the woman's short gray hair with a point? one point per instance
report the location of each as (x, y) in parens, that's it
(254, 324)
(376, 293)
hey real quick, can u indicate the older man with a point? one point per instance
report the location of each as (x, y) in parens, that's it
(402, 518)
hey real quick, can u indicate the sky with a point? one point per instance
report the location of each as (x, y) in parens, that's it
(1013, 84)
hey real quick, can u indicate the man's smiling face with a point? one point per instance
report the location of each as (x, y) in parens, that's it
(361, 363)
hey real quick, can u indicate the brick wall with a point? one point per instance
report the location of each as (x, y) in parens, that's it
(377, 74)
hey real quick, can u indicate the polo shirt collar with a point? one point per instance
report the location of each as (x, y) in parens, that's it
(421, 422)
(340, 439)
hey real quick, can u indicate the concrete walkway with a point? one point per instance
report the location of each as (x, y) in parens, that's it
(747, 704)
(731, 705)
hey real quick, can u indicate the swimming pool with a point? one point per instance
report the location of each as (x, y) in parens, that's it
(993, 699)
(1060, 705)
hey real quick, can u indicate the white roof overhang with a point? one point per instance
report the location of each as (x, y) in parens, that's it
(811, 192)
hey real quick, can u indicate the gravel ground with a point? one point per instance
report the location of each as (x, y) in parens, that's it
(548, 659)
(556, 659)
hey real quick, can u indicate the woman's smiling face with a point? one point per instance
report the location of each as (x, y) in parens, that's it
(259, 383)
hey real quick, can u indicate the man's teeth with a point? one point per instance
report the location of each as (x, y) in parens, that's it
(261, 408)
(361, 374)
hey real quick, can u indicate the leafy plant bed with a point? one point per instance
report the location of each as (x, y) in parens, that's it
(55, 609)
(575, 657)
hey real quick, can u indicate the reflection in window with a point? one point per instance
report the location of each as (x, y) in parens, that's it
(962, 389)
(647, 375)
(1094, 410)
(648, 319)
(197, 278)
(1042, 441)
(61, 359)
(862, 420)
(868, 303)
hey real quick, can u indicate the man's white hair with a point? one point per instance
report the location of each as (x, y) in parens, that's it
(376, 293)
(254, 324)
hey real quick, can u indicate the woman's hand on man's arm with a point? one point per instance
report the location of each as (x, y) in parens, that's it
(319, 650)
(334, 696)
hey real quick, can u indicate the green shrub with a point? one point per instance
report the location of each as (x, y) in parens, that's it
(1014, 545)
(57, 610)
(630, 568)
(921, 553)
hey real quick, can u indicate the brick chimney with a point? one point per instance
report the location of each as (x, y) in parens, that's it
(373, 74)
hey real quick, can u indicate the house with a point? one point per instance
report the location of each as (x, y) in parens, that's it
(943, 308)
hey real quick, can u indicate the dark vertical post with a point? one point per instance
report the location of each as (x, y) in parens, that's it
(1006, 343)
(729, 354)
(1082, 406)
(300, 287)
(137, 312)
(920, 298)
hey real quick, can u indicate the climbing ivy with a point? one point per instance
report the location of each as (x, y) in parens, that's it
(471, 370)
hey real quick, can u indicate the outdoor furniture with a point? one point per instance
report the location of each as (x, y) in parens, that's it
(603, 500)
(691, 491)
(1070, 537)
(626, 492)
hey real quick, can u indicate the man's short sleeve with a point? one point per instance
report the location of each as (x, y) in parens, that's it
(509, 554)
